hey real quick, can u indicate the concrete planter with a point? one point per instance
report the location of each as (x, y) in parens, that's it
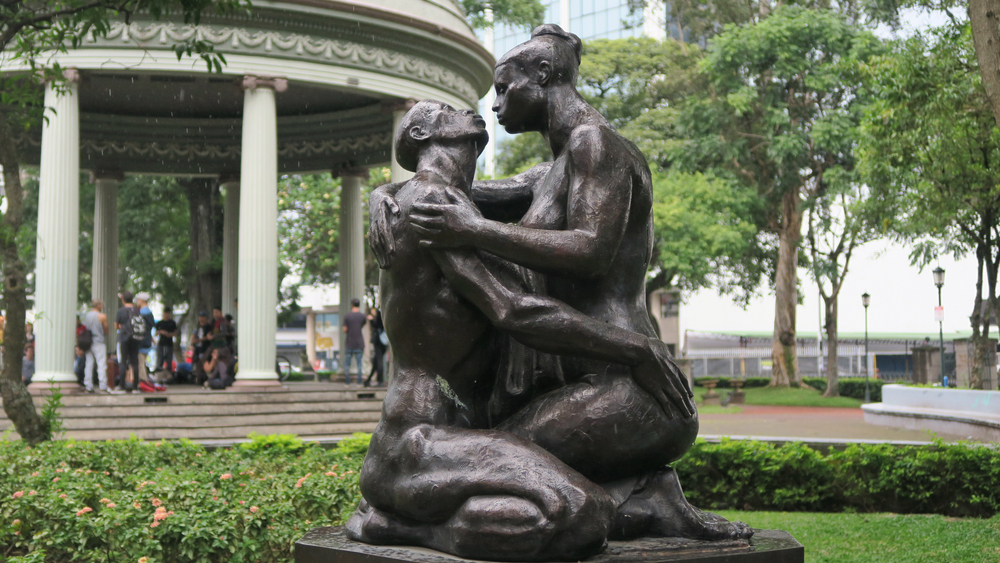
(963, 412)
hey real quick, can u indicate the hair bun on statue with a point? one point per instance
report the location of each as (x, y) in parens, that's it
(553, 30)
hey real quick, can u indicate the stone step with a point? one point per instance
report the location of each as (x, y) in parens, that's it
(171, 410)
(219, 397)
(202, 421)
(303, 431)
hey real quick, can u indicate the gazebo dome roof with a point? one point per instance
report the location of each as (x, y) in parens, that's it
(348, 64)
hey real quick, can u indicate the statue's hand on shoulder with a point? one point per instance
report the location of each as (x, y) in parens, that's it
(446, 225)
(382, 209)
(663, 379)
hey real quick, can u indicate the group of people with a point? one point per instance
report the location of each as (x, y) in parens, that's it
(354, 344)
(123, 367)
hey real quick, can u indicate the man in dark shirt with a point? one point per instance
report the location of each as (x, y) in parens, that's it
(128, 347)
(354, 344)
(166, 330)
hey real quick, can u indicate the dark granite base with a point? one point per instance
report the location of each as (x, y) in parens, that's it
(329, 545)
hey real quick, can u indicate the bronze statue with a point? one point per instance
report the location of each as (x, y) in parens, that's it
(533, 412)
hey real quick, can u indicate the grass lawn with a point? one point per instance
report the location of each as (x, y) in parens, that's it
(884, 538)
(799, 397)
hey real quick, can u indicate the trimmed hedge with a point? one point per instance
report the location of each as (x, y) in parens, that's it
(951, 479)
(851, 387)
(748, 382)
(128, 501)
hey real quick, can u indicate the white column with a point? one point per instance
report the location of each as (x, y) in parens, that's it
(564, 14)
(57, 264)
(489, 155)
(105, 271)
(258, 249)
(352, 240)
(230, 245)
(399, 174)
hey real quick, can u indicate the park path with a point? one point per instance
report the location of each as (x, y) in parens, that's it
(806, 423)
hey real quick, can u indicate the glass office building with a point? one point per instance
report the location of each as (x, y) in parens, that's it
(589, 19)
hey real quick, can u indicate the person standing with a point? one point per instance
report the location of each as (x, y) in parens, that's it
(96, 322)
(146, 342)
(200, 341)
(128, 343)
(379, 341)
(28, 364)
(354, 344)
(166, 330)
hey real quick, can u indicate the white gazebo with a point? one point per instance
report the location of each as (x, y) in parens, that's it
(310, 86)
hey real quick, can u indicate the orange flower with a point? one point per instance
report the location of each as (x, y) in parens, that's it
(254, 509)
(144, 560)
(155, 501)
(55, 479)
(112, 505)
(84, 510)
(19, 494)
(154, 524)
(225, 476)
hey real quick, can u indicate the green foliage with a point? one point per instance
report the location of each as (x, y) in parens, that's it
(952, 479)
(355, 445)
(702, 235)
(521, 153)
(99, 501)
(50, 412)
(272, 444)
(853, 387)
(515, 13)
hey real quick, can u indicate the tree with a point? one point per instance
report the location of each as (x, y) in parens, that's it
(30, 33)
(836, 227)
(780, 118)
(702, 235)
(930, 150)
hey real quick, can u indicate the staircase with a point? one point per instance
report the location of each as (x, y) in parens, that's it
(313, 411)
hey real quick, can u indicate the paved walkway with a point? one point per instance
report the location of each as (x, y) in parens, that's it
(807, 423)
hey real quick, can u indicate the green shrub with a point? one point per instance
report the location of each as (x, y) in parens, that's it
(272, 444)
(117, 502)
(748, 382)
(951, 479)
(99, 501)
(850, 387)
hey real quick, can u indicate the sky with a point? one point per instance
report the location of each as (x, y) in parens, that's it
(902, 297)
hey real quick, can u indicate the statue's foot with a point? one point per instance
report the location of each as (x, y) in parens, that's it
(660, 509)
(370, 525)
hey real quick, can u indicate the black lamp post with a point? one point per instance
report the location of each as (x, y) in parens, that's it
(866, 300)
(939, 281)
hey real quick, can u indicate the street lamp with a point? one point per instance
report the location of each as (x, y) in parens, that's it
(866, 300)
(939, 281)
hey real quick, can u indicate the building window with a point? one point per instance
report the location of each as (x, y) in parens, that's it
(327, 322)
(669, 304)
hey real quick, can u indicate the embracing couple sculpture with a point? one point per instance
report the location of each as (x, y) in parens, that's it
(533, 412)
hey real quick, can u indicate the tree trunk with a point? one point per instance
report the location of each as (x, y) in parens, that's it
(976, 366)
(785, 361)
(832, 375)
(205, 276)
(984, 17)
(17, 402)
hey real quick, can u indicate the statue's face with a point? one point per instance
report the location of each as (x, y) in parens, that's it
(521, 102)
(450, 124)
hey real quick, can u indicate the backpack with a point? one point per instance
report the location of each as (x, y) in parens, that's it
(84, 339)
(138, 325)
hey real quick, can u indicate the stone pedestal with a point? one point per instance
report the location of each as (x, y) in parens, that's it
(329, 545)
(926, 364)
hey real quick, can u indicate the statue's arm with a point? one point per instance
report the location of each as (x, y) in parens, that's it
(597, 212)
(552, 326)
(508, 199)
(382, 210)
